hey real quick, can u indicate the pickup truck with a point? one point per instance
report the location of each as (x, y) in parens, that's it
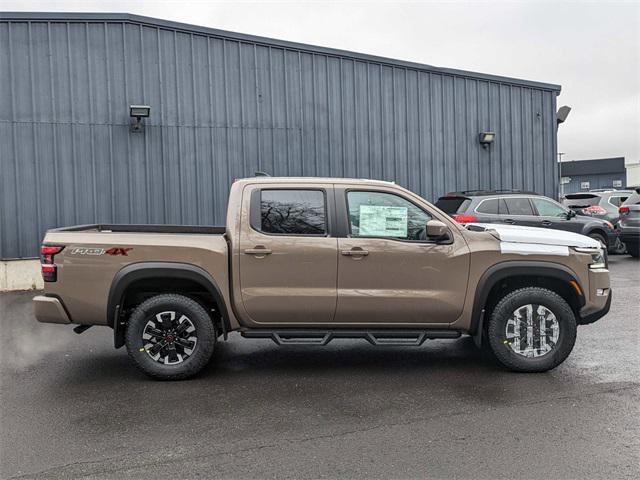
(310, 260)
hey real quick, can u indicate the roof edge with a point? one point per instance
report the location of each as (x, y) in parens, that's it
(127, 17)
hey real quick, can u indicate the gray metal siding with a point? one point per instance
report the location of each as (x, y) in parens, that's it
(223, 107)
(604, 180)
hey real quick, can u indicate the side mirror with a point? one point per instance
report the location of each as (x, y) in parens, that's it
(436, 230)
(571, 214)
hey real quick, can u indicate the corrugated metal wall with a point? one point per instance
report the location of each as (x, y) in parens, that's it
(225, 105)
(603, 180)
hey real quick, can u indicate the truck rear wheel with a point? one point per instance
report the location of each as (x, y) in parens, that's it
(531, 329)
(170, 337)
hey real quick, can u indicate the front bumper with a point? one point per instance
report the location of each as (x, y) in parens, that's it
(612, 238)
(598, 301)
(598, 314)
(50, 310)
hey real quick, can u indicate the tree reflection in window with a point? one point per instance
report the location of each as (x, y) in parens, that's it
(293, 212)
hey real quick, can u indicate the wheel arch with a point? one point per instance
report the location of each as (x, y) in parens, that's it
(600, 231)
(519, 271)
(149, 271)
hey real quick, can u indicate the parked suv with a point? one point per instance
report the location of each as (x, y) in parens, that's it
(515, 207)
(601, 204)
(630, 223)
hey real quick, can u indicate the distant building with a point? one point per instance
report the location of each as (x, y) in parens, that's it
(585, 175)
(633, 174)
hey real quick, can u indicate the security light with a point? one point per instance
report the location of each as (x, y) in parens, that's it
(562, 114)
(138, 112)
(487, 138)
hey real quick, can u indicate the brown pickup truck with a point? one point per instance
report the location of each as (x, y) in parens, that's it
(309, 260)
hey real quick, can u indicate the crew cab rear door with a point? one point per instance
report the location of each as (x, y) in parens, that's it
(389, 272)
(287, 257)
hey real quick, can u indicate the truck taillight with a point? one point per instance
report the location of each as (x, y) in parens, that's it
(623, 210)
(464, 218)
(49, 268)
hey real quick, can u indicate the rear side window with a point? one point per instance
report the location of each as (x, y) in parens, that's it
(453, 205)
(293, 212)
(492, 206)
(617, 201)
(518, 206)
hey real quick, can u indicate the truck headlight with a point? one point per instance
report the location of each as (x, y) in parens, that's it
(598, 257)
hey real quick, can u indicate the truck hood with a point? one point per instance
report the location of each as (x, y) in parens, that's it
(537, 236)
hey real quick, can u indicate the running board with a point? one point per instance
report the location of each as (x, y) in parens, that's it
(413, 338)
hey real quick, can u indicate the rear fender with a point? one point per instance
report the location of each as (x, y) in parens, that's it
(150, 270)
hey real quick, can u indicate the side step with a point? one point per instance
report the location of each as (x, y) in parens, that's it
(413, 338)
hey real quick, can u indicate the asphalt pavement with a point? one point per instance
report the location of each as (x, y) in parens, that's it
(73, 407)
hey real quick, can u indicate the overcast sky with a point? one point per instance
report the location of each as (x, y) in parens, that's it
(591, 48)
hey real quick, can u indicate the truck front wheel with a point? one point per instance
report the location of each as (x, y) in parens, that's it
(531, 329)
(170, 337)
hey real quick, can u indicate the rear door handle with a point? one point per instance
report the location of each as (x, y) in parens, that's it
(258, 250)
(355, 252)
(509, 221)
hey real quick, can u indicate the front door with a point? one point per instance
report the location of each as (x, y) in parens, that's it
(288, 261)
(388, 270)
(553, 215)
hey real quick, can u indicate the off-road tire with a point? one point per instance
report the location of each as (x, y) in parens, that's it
(504, 309)
(205, 330)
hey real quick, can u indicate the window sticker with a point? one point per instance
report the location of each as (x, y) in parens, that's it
(377, 221)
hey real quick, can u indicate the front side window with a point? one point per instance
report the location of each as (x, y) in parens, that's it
(379, 214)
(293, 212)
(518, 206)
(547, 208)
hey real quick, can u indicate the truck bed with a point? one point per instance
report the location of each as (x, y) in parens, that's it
(143, 228)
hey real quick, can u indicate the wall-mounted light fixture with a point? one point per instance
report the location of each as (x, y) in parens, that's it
(138, 112)
(562, 114)
(487, 138)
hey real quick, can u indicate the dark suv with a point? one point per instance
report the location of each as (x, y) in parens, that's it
(524, 208)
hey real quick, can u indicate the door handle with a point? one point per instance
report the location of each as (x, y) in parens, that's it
(258, 250)
(509, 221)
(355, 252)
(546, 223)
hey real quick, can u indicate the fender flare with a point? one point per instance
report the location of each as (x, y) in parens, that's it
(147, 270)
(514, 268)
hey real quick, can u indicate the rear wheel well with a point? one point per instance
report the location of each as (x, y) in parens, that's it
(509, 284)
(140, 290)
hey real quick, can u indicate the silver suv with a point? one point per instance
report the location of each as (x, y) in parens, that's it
(630, 223)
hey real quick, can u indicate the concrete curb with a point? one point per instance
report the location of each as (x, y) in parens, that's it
(20, 275)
